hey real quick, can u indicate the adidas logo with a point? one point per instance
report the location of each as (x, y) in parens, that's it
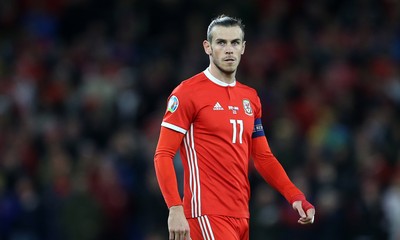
(218, 107)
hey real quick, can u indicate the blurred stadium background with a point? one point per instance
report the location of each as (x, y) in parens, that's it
(83, 87)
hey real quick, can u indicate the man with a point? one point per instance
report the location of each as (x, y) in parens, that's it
(216, 123)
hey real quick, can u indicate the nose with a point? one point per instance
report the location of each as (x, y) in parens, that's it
(228, 48)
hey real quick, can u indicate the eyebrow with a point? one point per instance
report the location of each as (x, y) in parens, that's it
(233, 40)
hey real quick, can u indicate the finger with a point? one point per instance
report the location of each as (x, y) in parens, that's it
(311, 212)
(300, 210)
(182, 235)
(171, 235)
(307, 220)
(310, 215)
(304, 222)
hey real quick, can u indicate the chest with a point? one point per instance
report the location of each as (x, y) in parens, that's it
(226, 113)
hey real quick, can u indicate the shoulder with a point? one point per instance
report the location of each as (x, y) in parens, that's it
(251, 95)
(191, 84)
(247, 89)
(195, 80)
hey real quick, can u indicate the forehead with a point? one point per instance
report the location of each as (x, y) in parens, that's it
(226, 33)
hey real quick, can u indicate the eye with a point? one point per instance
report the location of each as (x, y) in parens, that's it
(235, 43)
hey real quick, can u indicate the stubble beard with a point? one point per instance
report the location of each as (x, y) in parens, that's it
(223, 70)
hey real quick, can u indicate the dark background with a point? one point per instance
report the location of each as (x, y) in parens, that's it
(83, 87)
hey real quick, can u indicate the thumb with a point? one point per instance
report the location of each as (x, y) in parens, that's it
(297, 205)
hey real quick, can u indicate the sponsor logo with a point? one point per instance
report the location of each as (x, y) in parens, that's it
(234, 109)
(218, 107)
(173, 104)
(247, 107)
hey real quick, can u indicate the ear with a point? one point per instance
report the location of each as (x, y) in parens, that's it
(207, 47)
(244, 47)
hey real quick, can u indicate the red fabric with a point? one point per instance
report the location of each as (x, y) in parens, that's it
(219, 227)
(272, 171)
(265, 162)
(212, 124)
(217, 121)
(168, 144)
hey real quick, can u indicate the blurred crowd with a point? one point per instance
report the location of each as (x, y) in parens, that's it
(83, 88)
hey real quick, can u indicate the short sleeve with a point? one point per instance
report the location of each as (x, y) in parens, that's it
(180, 110)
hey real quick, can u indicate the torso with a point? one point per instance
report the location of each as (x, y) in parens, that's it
(219, 121)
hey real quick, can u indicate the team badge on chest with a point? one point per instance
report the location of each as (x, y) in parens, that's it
(247, 107)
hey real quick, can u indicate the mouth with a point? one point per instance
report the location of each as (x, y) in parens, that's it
(229, 59)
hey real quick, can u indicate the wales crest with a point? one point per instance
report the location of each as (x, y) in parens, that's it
(247, 107)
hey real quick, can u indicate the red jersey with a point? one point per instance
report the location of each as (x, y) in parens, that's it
(217, 120)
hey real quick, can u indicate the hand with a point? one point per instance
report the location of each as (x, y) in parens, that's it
(305, 218)
(178, 226)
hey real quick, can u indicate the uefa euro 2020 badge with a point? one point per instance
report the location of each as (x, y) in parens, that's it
(247, 107)
(173, 104)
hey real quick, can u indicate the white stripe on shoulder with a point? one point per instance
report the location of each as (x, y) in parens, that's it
(173, 127)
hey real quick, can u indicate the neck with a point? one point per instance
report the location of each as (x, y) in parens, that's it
(227, 77)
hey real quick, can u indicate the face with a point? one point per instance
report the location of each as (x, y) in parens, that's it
(226, 48)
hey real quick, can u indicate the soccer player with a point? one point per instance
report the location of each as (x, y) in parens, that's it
(215, 121)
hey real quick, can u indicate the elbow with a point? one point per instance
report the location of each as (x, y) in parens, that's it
(163, 154)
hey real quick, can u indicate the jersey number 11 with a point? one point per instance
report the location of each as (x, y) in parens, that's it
(235, 133)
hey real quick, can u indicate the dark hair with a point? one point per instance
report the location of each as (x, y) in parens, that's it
(225, 21)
